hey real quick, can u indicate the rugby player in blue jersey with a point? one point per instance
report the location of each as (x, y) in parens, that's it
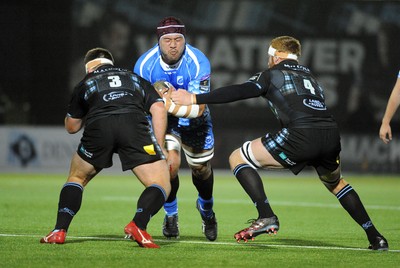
(190, 129)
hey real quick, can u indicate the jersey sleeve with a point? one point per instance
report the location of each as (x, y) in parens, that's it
(254, 87)
(231, 93)
(262, 80)
(136, 67)
(201, 71)
(145, 63)
(77, 107)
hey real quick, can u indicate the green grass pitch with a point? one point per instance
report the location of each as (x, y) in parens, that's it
(315, 230)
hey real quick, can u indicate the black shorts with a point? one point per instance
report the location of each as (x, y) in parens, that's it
(128, 135)
(297, 147)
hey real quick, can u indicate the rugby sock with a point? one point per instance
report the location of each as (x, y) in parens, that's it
(205, 206)
(174, 189)
(171, 205)
(171, 208)
(351, 202)
(252, 184)
(69, 204)
(149, 203)
(204, 186)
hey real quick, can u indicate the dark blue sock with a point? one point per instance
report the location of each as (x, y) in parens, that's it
(351, 202)
(69, 204)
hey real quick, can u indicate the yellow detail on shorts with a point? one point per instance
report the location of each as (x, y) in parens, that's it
(149, 149)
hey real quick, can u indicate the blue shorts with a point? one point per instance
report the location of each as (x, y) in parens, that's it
(198, 136)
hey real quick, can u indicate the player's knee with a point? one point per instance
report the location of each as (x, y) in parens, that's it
(331, 180)
(173, 169)
(235, 159)
(174, 163)
(76, 179)
(163, 183)
(244, 155)
(202, 171)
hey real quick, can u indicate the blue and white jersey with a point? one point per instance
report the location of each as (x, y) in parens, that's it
(191, 73)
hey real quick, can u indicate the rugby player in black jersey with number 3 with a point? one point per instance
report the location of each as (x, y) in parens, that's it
(309, 137)
(113, 104)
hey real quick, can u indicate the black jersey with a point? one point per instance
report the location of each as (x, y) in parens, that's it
(110, 90)
(293, 94)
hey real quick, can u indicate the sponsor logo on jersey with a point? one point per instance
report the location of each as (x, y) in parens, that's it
(283, 156)
(115, 95)
(204, 83)
(86, 153)
(179, 80)
(314, 104)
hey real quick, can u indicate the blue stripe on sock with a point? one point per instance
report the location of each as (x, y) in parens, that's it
(161, 189)
(239, 167)
(74, 184)
(344, 191)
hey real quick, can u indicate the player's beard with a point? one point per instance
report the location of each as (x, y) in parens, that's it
(172, 58)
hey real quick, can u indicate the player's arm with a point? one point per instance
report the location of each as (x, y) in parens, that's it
(165, 90)
(74, 119)
(385, 132)
(220, 95)
(159, 121)
(72, 125)
(185, 111)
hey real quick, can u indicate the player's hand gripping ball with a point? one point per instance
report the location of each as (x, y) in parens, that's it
(164, 88)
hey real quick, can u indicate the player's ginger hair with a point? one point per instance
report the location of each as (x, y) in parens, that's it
(287, 44)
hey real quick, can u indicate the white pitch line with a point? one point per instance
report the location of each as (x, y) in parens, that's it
(277, 203)
(250, 244)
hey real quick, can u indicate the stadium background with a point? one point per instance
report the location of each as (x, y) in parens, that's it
(352, 47)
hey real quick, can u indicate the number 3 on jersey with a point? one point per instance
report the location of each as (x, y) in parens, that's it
(115, 81)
